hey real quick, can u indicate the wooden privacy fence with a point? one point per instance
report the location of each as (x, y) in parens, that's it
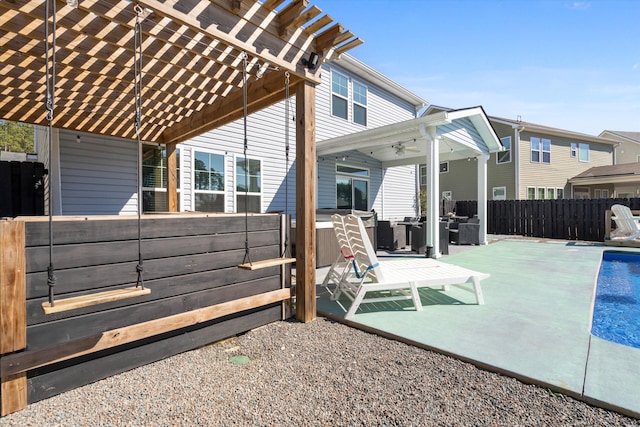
(198, 295)
(568, 219)
(21, 188)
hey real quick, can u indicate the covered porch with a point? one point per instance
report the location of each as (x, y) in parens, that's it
(430, 139)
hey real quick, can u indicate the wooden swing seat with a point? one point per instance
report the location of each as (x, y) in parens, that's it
(266, 263)
(93, 299)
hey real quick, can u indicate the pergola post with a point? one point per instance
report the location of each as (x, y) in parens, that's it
(172, 178)
(305, 202)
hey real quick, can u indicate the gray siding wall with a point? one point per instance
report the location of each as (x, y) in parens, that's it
(461, 180)
(395, 197)
(502, 174)
(398, 195)
(562, 166)
(97, 175)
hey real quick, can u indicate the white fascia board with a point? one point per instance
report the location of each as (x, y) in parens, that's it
(626, 179)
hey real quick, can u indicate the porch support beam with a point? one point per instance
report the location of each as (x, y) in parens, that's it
(172, 178)
(483, 159)
(305, 202)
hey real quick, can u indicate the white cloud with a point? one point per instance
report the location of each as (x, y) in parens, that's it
(580, 5)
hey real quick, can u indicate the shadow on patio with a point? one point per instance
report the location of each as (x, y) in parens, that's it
(534, 325)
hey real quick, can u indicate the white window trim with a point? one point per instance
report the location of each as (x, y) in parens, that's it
(352, 177)
(574, 150)
(558, 191)
(423, 184)
(340, 96)
(447, 167)
(447, 195)
(193, 176)
(580, 146)
(493, 192)
(540, 152)
(353, 101)
(235, 182)
(535, 192)
(502, 152)
(546, 196)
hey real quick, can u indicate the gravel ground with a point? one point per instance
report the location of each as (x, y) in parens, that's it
(316, 374)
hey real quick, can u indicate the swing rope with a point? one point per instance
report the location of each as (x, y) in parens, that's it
(247, 255)
(137, 90)
(287, 102)
(50, 60)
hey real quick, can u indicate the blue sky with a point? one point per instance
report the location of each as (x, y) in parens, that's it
(568, 64)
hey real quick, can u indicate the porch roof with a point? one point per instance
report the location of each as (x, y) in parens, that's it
(191, 65)
(463, 133)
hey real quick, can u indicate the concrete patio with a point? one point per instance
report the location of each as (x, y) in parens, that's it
(534, 325)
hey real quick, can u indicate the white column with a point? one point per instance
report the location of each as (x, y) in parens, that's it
(433, 189)
(482, 197)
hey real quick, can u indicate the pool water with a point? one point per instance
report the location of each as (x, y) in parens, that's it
(616, 310)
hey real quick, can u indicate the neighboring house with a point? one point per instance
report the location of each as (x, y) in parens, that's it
(95, 174)
(622, 180)
(628, 148)
(537, 163)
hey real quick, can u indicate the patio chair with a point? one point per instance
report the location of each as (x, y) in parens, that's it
(395, 280)
(342, 264)
(627, 225)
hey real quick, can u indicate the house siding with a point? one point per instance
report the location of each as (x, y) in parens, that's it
(562, 165)
(502, 174)
(627, 151)
(388, 199)
(97, 175)
(461, 180)
(396, 199)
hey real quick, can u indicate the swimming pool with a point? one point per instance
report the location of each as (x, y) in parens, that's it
(616, 309)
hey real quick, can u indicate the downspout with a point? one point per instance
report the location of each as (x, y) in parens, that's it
(516, 155)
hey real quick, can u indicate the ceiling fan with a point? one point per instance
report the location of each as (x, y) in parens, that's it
(401, 148)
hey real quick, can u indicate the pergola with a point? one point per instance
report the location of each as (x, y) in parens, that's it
(192, 68)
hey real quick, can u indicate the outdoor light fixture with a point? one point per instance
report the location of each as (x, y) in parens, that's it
(312, 62)
(261, 70)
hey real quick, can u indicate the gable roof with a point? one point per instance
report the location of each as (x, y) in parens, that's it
(361, 69)
(535, 127)
(625, 172)
(464, 133)
(627, 136)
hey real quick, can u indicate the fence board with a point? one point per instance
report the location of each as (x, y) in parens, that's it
(568, 219)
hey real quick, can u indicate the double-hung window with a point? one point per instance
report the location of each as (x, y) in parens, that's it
(583, 152)
(340, 95)
(352, 187)
(154, 178)
(248, 185)
(540, 150)
(208, 181)
(359, 104)
(504, 156)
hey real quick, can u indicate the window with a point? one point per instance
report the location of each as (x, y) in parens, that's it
(540, 195)
(499, 193)
(581, 193)
(423, 175)
(444, 167)
(208, 182)
(352, 188)
(574, 149)
(551, 193)
(340, 95)
(154, 178)
(600, 193)
(248, 185)
(531, 193)
(359, 104)
(504, 156)
(583, 152)
(540, 150)
(447, 195)
(559, 193)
